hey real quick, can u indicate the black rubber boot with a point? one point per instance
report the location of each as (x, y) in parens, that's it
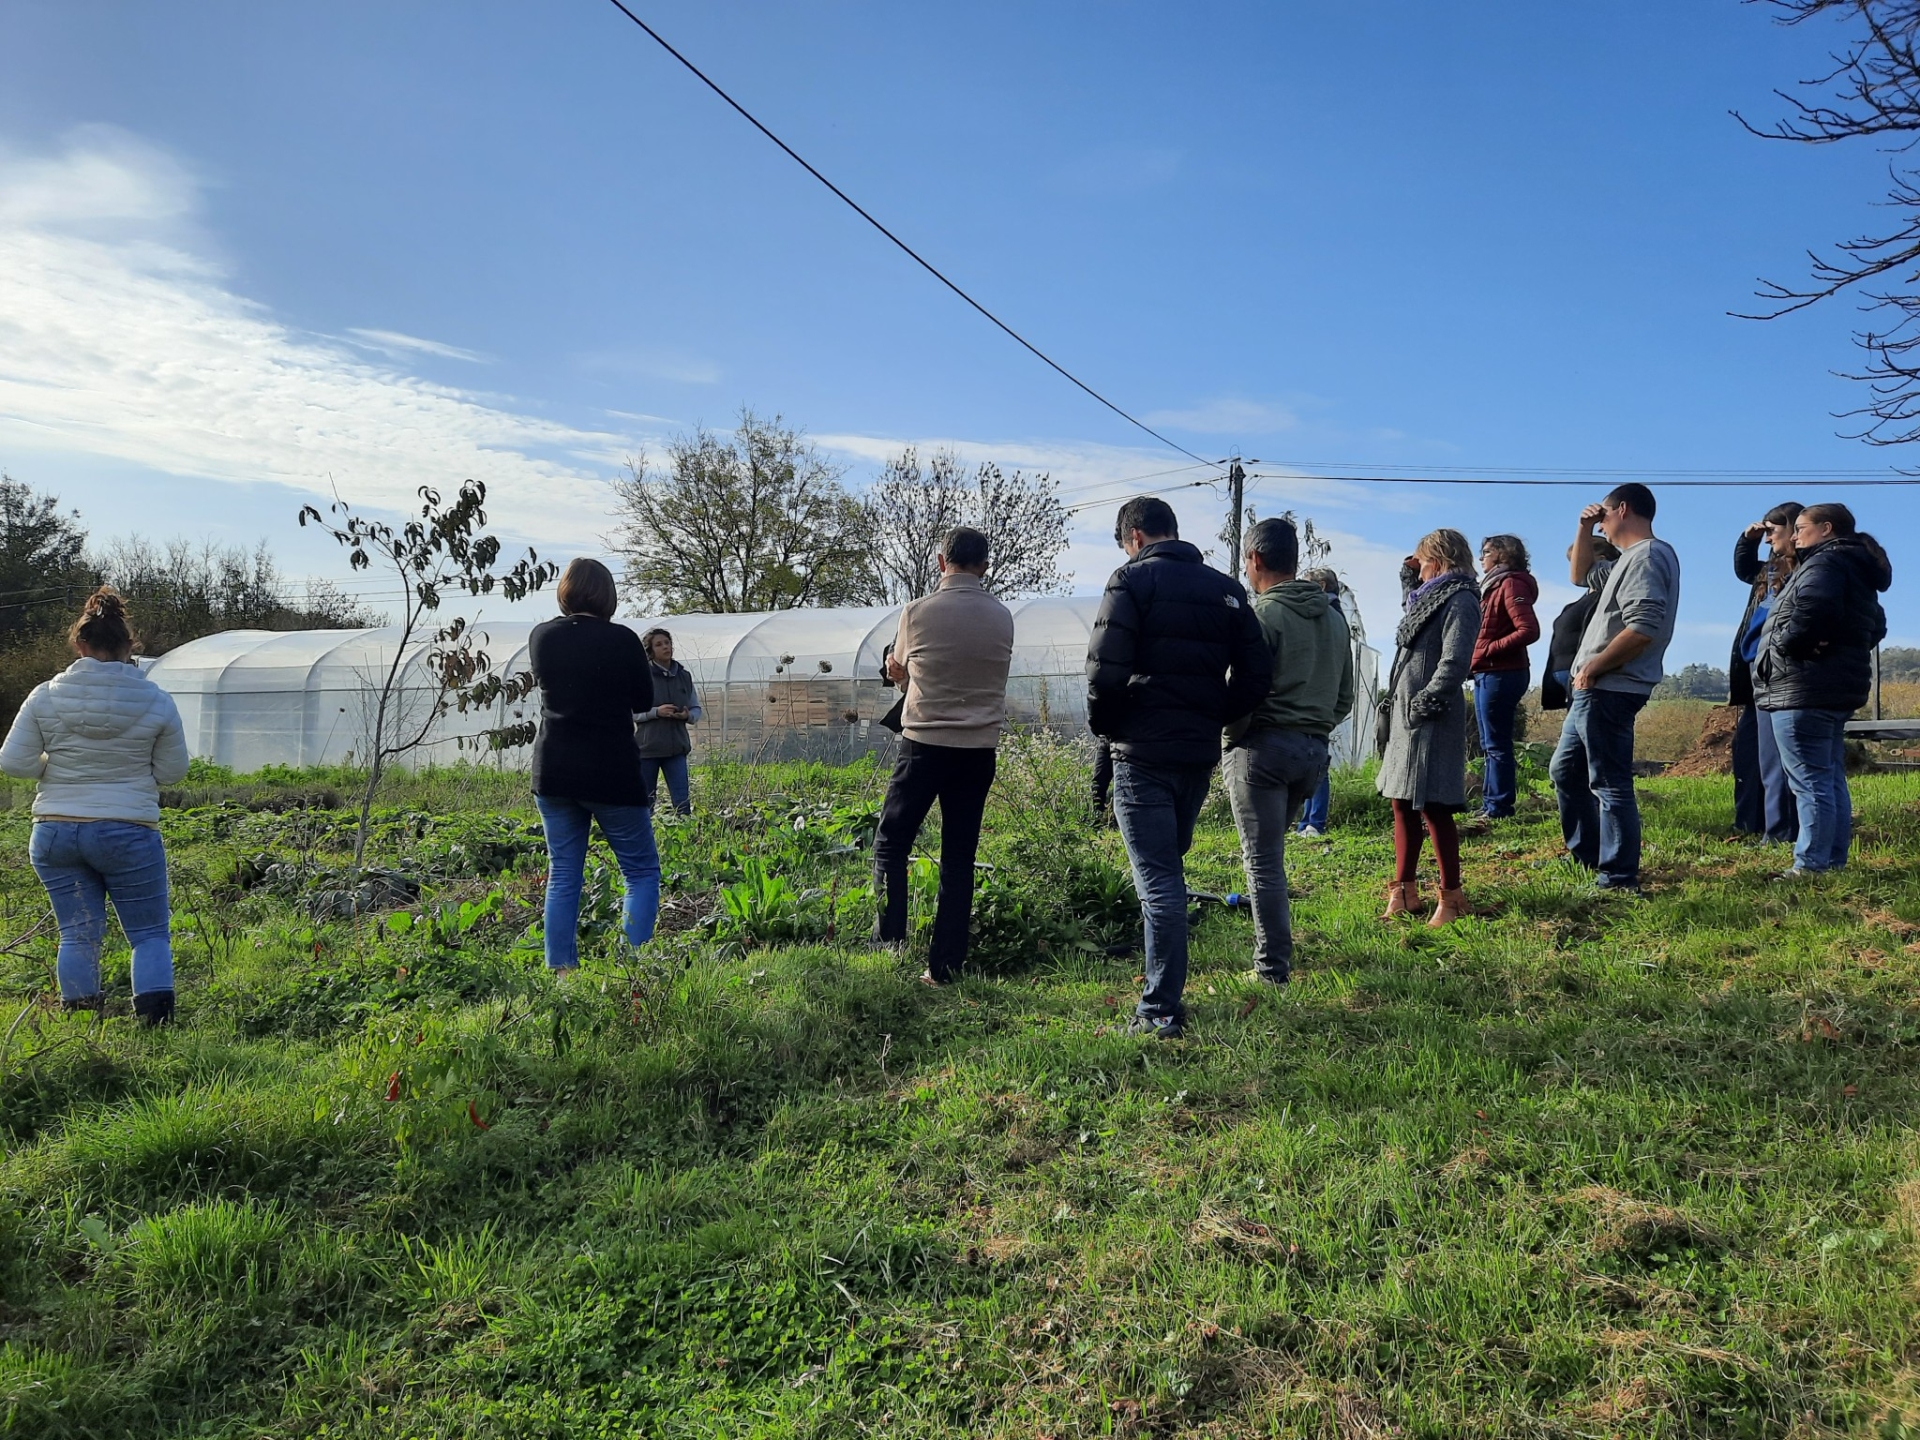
(154, 1008)
(85, 1002)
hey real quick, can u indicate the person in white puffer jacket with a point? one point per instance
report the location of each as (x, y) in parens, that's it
(101, 739)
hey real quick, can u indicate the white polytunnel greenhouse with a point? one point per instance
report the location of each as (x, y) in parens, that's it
(789, 684)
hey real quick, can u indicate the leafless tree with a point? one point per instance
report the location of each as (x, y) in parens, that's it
(758, 521)
(1871, 91)
(910, 509)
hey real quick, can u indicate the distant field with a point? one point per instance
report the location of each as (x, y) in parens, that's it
(1582, 1166)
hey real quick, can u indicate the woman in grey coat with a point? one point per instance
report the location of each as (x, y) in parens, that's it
(1423, 729)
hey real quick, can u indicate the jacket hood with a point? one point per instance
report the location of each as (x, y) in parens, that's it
(1302, 597)
(1850, 550)
(100, 699)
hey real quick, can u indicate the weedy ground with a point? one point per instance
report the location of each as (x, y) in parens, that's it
(1582, 1166)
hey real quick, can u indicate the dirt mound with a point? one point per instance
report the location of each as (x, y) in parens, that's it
(1712, 753)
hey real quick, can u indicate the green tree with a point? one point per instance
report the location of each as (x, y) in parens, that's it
(43, 564)
(758, 521)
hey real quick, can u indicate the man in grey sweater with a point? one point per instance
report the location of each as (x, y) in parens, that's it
(1621, 658)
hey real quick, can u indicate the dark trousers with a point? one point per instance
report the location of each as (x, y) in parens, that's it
(1156, 807)
(959, 779)
(1593, 778)
(1749, 793)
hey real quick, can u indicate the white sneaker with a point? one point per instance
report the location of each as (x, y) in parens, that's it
(1308, 832)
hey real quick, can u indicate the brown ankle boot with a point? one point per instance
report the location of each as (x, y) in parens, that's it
(1403, 898)
(1452, 907)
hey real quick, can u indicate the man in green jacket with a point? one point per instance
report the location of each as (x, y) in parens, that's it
(1279, 758)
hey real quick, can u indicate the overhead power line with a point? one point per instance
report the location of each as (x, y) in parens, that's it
(1632, 473)
(1769, 480)
(905, 248)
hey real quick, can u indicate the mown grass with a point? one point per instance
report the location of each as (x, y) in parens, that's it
(1582, 1166)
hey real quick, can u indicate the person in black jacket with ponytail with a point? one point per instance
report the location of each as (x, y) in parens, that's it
(1814, 668)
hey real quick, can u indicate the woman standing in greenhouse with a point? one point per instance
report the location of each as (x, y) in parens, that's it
(101, 739)
(1423, 750)
(594, 678)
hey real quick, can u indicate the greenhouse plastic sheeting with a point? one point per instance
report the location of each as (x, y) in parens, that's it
(790, 684)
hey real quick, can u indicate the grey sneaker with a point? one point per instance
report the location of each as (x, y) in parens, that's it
(1158, 1027)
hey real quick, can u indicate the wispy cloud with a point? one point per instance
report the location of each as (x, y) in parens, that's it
(1227, 415)
(649, 363)
(1121, 169)
(120, 337)
(392, 342)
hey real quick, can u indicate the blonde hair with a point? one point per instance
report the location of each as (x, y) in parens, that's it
(1447, 546)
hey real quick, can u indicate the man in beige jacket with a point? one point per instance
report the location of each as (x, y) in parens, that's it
(952, 652)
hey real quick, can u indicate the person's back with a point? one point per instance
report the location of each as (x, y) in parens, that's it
(952, 651)
(1175, 656)
(1312, 686)
(957, 646)
(594, 676)
(101, 739)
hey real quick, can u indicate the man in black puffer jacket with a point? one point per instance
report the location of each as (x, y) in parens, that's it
(1814, 668)
(1176, 656)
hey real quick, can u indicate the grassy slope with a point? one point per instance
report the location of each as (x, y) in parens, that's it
(1585, 1166)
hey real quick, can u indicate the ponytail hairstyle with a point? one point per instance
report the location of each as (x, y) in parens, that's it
(102, 628)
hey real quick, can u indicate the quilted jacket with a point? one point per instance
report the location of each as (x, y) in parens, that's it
(101, 739)
(1175, 655)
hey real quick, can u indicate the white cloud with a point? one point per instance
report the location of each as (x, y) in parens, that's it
(392, 342)
(119, 338)
(649, 363)
(1227, 415)
(1122, 169)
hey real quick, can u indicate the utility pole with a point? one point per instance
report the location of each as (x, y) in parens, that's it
(1236, 505)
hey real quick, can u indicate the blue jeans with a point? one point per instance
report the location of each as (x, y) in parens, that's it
(1777, 806)
(1592, 773)
(1496, 696)
(1813, 752)
(674, 769)
(1155, 807)
(629, 830)
(82, 863)
(1318, 804)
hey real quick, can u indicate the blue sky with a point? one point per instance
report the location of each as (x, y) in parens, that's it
(247, 251)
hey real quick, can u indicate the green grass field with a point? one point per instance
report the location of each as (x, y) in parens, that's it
(1582, 1166)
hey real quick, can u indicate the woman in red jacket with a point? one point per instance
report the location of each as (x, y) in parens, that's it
(1500, 676)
